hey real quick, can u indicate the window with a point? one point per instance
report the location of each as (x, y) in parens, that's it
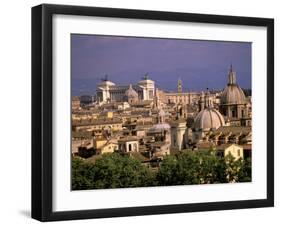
(238, 152)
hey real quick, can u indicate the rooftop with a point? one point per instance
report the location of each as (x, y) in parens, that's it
(82, 134)
(128, 138)
(234, 129)
(97, 122)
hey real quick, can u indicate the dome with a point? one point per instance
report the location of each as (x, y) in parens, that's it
(209, 118)
(233, 94)
(131, 93)
(160, 127)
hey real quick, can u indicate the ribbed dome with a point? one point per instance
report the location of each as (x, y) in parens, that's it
(232, 94)
(209, 118)
(131, 93)
(160, 127)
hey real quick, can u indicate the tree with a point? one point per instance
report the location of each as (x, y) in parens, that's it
(233, 167)
(199, 167)
(202, 167)
(245, 174)
(192, 167)
(239, 170)
(81, 174)
(111, 171)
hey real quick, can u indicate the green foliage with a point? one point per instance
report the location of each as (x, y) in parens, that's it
(200, 167)
(245, 174)
(110, 171)
(192, 167)
(81, 174)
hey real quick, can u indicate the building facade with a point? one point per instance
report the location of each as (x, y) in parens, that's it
(181, 97)
(178, 131)
(108, 91)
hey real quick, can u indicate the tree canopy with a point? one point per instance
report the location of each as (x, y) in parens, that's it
(202, 167)
(191, 167)
(110, 171)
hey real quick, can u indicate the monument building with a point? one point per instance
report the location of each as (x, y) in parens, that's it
(108, 91)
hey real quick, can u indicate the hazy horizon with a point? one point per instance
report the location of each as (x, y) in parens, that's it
(199, 64)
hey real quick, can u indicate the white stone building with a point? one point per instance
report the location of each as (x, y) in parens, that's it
(108, 91)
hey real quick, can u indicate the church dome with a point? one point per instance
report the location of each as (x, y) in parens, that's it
(232, 93)
(160, 127)
(207, 119)
(131, 93)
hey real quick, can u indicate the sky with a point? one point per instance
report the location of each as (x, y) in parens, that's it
(125, 60)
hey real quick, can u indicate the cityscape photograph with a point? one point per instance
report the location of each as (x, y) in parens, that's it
(159, 112)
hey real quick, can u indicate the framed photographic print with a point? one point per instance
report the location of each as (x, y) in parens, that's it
(145, 112)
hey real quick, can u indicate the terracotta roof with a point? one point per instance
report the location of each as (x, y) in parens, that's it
(205, 145)
(128, 138)
(234, 129)
(81, 134)
(142, 103)
(159, 144)
(96, 122)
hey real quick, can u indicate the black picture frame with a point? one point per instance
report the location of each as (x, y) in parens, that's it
(42, 111)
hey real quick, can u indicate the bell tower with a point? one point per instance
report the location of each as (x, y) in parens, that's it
(179, 86)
